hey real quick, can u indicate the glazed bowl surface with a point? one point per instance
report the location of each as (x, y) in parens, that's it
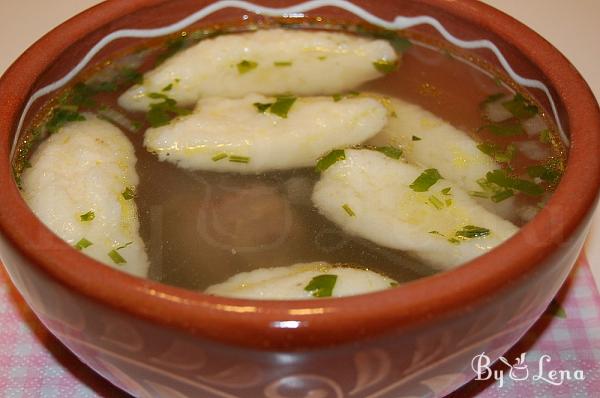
(155, 340)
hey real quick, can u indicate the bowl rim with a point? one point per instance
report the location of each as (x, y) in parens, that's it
(261, 323)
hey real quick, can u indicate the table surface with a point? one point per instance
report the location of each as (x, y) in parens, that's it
(571, 26)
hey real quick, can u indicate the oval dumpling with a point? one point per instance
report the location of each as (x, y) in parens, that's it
(270, 62)
(253, 134)
(384, 200)
(301, 281)
(429, 141)
(81, 185)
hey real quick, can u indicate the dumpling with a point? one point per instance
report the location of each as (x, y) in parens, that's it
(270, 62)
(429, 141)
(301, 281)
(256, 133)
(369, 194)
(81, 184)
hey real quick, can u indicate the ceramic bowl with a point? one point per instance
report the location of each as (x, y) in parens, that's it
(414, 340)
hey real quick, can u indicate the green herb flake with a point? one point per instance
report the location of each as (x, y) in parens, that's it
(172, 47)
(437, 233)
(446, 191)
(168, 87)
(130, 76)
(282, 106)
(262, 107)
(116, 257)
(282, 63)
(322, 58)
(502, 195)
(219, 156)
(162, 112)
(393, 284)
(348, 210)
(497, 81)
(123, 246)
(89, 216)
(82, 244)
(520, 108)
(399, 43)
(495, 151)
(339, 97)
(454, 241)
(479, 194)
(321, 285)
(384, 66)
(500, 178)
(326, 161)
(246, 66)
(545, 172)
(390, 151)
(427, 179)
(472, 231)
(61, 116)
(438, 204)
(492, 98)
(128, 193)
(506, 129)
(545, 136)
(415, 138)
(239, 159)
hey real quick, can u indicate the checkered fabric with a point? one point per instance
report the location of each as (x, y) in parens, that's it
(35, 364)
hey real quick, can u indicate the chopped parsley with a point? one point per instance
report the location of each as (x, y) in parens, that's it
(282, 106)
(545, 136)
(282, 63)
(321, 285)
(82, 244)
(89, 216)
(116, 257)
(239, 159)
(339, 97)
(505, 129)
(520, 108)
(500, 178)
(496, 152)
(384, 66)
(262, 107)
(446, 191)
(246, 66)
(161, 113)
(61, 116)
(545, 172)
(322, 58)
(326, 161)
(427, 178)
(415, 138)
(168, 87)
(399, 43)
(348, 210)
(492, 98)
(390, 151)
(438, 204)
(472, 231)
(128, 193)
(172, 47)
(219, 156)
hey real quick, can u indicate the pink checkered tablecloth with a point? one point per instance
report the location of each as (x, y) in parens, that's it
(34, 364)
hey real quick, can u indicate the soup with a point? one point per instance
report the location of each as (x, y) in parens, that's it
(400, 165)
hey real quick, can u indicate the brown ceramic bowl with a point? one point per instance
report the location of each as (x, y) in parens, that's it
(155, 340)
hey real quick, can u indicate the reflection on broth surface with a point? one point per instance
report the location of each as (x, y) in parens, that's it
(201, 227)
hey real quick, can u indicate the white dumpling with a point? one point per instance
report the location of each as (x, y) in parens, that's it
(441, 146)
(232, 135)
(83, 170)
(270, 62)
(289, 283)
(368, 194)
